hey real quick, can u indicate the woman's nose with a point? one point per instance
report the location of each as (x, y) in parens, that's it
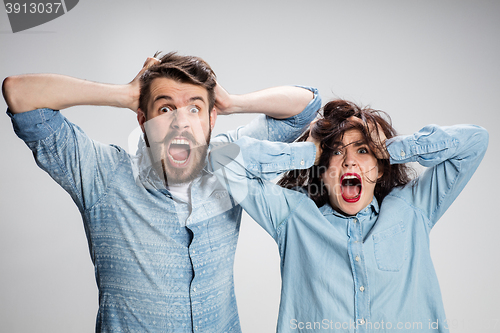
(349, 160)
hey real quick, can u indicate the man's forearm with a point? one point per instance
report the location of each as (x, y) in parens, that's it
(32, 91)
(278, 102)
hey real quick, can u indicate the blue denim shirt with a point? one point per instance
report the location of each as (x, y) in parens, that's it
(153, 274)
(366, 273)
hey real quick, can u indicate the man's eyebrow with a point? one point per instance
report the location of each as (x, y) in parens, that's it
(169, 98)
(197, 98)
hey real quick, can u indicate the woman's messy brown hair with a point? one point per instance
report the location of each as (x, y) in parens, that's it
(329, 130)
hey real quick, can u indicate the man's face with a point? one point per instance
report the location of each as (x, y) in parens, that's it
(352, 173)
(177, 129)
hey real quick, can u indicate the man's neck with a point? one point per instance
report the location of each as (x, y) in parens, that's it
(181, 191)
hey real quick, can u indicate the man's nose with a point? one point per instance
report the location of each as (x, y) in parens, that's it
(180, 121)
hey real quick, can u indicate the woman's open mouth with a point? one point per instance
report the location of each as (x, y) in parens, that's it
(351, 187)
(179, 151)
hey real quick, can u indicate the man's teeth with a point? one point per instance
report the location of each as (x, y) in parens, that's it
(180, 142)
(350, 177)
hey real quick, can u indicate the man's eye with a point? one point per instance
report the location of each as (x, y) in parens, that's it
(337, 152)
(363, 151)
(194, 109)
(166, 109)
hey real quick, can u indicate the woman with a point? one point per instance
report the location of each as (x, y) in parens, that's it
(353, 232)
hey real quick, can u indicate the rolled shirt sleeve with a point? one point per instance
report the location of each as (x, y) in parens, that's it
(35, 125)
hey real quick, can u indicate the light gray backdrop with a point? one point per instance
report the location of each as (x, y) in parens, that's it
(421, 61)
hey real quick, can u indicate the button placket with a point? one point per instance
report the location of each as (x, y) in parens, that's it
(361, 298)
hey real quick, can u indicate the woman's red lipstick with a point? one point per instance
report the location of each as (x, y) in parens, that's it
(351, 187)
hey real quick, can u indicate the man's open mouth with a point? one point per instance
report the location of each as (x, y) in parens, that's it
(351, 186)
(179, 151)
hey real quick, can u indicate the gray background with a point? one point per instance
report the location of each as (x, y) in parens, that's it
(421, 61)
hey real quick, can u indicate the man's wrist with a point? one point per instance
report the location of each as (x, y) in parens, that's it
(127, 96)
(232, 105)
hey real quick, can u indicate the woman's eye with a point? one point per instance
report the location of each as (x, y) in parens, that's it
(363, 151)
(165, 109)
(337, 152)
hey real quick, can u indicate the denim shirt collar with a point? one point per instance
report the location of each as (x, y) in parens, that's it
(367, 218)
(326, 209)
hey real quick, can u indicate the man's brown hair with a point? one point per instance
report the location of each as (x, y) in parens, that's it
(185, 69)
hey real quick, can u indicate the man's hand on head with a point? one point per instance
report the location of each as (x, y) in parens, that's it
(134, 87)
(223, 101)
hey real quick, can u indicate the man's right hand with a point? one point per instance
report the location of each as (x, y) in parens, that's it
(134, 87)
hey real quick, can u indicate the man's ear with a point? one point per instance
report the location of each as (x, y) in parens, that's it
(213, 117)
(141, 118)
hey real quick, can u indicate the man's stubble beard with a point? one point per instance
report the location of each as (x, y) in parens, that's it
(171, 175)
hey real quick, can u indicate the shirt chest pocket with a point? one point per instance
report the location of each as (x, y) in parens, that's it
(218, 203)
(390, 248)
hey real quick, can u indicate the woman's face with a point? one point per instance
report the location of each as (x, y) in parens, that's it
(351, 176)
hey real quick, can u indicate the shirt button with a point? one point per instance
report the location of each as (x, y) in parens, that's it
(355, 220)
(194, 289)
(196, 328)
(403, 153)
(362, 288)
(358, 258)
(302, 162)
(361, 321)
(193, 251)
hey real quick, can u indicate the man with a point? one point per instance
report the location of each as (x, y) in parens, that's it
(162, 231)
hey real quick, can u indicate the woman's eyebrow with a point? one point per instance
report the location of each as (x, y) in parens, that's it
(359, 143)
(354, 143)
